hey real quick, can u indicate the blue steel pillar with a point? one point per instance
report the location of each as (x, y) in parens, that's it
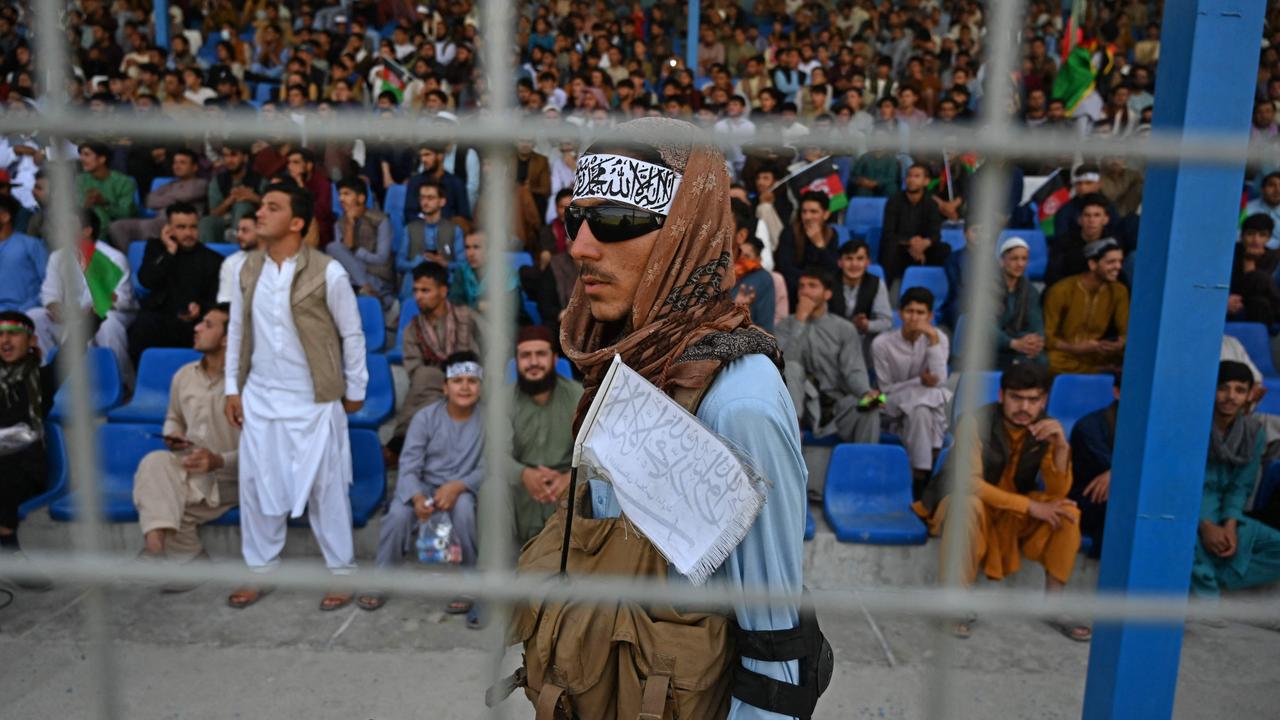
(691, 38)
(1205, 84)
(161, 13)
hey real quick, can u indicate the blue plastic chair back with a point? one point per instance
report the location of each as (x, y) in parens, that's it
(1257, 342)
(265, 92)
(989, 384)
(105, 388)
(121, 448)
(393, 206)
(1267, 488)
(55, 449)
(408, 311)
(1074, 396)
(957, 337)
(223, 249)
(1270, 403)
(876, 270)
(375, 328)
(150, 401)
(864, 213)
(867, 498)
(954, 236)
(156, 184)
(810, 525)
(136, 251)
(933, 278)
(380, 397)
(1037, 250)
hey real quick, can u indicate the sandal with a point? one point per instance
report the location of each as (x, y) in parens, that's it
(246, 596)
(335, 601)
(961, 627)
(459, 605)
(371, 601)
(477, 618)
(1071, 629)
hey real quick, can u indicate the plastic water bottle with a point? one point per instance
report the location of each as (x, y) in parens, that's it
(436, 543)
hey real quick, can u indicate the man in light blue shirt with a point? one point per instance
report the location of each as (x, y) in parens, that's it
(23, 260)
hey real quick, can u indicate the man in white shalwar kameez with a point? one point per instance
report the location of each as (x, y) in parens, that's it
(296, 366)
(911, 370)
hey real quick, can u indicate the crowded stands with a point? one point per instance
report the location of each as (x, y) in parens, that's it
(855, 260)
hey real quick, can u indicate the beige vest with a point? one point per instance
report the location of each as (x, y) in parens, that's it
(316, 329)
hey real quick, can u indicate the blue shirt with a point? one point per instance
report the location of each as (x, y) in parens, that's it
(749, 406)
(23, 260)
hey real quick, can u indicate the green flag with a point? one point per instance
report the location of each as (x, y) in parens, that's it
(1075, 79)
(102, 276)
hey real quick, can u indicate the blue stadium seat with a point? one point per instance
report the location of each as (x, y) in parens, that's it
(150, 399)
(954, 236)
(368, 480)
(933, 278)
(1038, 250)
(265, 92)
(1267, 488)
(375, 328)
(1256, 341)
(55, 447)
(393, 206)
(873, 240)
(876, 270)
(989, 382)
(223, 249)
(156, 184)
(520, 260)
(1270, 403)
(120, 448)
(563, 368)
(105, 388)
(379, 399)
(1074, 396)
(863, 214)
(408, 311)
(810, 525)
(868, 496)
(136, 252)
(957, 337)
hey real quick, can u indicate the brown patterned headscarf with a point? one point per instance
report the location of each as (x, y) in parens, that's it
(683, 326)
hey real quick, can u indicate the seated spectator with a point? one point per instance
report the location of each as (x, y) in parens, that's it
(103, 294)
(1122, 185)
(442, 469)
(26, 394)
(363, 243)
(229, 273)
(439, 330)
(1254, 296)
(810, 241)
(862, 298)
(423, 233)
(186, 188)
(825, 372)
(467, 284)
(532, 191)
(196, 479)
(1086, 181)
(1268, 203)
(911, 371)
(542, 408)
(1020, 326)
(233, 194)
(876, 173)
(108, 193)
(1086, 316)
(1092, 439)
(1018, 447)
(1066, 252)
(182, 276)
(912, 233)
(23, 261)
(754, 288)
(301, 165)
(453, 190)
(1233, 551)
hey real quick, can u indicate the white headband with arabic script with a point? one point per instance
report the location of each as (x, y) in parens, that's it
(627, 180)
(460, 369)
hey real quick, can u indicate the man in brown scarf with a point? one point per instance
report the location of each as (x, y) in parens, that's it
(652, 229)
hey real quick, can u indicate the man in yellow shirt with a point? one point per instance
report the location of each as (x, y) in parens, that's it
(1086, 316)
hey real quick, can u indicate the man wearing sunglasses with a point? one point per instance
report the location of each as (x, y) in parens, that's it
(651, 231)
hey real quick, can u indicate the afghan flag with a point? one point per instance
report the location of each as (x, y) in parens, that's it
(1049, 199)
(1076, 78)
(953, 168)
(102, 276)
(1244, 202)
(1074, 34)
(821, 175)
(392, 78)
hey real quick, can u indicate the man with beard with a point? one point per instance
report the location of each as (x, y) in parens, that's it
(232, 195)
(26, 394)
(542, 408)
(229, 273)
(654, 289)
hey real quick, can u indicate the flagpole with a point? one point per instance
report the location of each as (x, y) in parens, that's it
(946, 172)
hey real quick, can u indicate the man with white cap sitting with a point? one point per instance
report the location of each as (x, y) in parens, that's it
(1019, 322)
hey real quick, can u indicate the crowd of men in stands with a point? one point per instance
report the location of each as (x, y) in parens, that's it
(865, 355)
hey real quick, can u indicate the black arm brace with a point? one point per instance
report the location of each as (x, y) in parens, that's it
(804, 643)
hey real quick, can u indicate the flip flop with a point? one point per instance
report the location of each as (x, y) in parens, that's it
(371, 601)
(459, 605)
(1071, 629)
(335, 601)
(244, 602)
(962, 628)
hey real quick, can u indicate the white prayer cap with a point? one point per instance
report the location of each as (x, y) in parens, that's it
(1013, 242)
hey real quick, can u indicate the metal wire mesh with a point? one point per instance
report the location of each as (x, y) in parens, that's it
(494, 131)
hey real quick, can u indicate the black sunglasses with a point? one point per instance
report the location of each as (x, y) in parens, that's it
(612, 223)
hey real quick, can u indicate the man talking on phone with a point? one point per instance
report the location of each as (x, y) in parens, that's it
(195, 480)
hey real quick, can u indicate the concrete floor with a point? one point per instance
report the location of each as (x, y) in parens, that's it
(190, 656)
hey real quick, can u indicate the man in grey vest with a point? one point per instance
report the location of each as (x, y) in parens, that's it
(431, 236)
(296, 366)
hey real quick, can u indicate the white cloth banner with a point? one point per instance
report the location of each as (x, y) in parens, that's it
(690, 493)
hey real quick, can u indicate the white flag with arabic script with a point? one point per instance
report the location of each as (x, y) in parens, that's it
(691, 494)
